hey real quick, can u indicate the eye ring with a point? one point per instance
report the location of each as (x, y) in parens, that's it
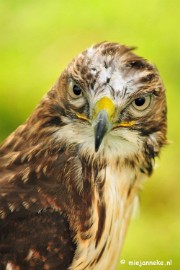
(74, 90)
(142, 103)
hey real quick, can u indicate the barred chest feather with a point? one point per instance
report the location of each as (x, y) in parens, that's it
(109, 226)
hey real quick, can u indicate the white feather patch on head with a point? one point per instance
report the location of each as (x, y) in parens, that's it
(117, 81)
(90, 52)
(104, 74)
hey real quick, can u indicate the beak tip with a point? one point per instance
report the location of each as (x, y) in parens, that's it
(97, 145)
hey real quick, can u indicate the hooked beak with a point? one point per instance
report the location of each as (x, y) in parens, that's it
(103, 112)
(101, 128)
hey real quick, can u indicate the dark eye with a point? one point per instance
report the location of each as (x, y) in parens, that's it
(77, 91)
(141, 103)
(74, 90)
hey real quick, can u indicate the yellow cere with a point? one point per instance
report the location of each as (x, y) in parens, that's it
(106, 104)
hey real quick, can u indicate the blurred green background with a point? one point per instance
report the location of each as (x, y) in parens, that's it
(39, 38)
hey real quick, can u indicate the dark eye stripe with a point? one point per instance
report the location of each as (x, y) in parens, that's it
(148, 78)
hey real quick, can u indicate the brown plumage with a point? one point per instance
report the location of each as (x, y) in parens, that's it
(70, 174)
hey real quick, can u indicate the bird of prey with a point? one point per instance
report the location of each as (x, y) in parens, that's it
(70, 175)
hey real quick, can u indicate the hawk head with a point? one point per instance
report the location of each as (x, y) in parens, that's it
(107, 104)
(110, 102)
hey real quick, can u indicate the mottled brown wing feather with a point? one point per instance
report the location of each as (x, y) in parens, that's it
(36, 241)
(34, 226)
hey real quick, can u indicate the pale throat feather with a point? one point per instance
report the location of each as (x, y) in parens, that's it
(120, 194)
